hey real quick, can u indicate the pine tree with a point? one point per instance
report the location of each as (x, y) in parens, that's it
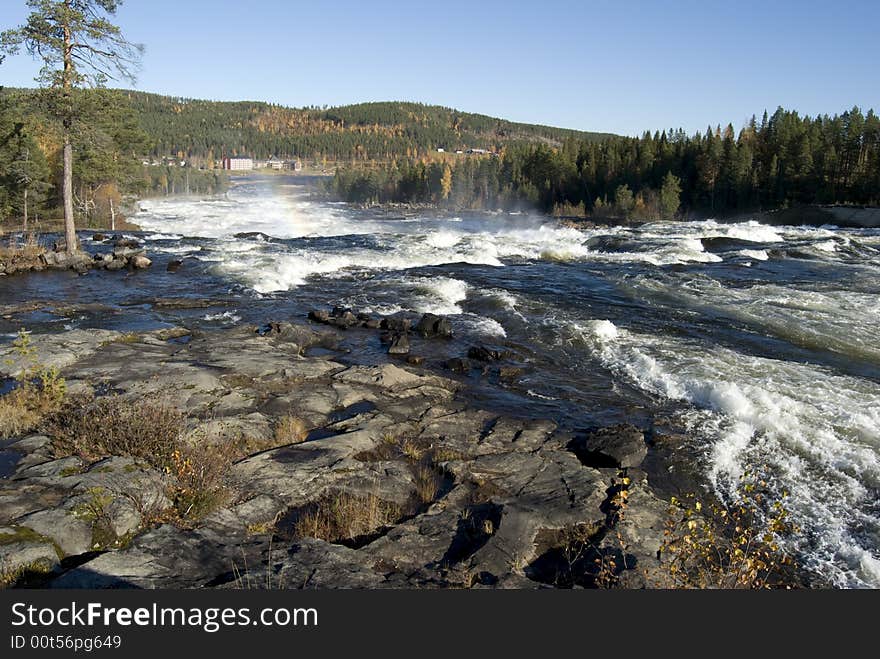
(79, 47)
(670, 196)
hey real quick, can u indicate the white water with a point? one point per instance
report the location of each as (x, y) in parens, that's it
(268, 267)
(816, 429)
(818, 432)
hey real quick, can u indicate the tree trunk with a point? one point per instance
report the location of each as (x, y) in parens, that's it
(24, 226)
(112, 216)
(67, 191)
(67, 187)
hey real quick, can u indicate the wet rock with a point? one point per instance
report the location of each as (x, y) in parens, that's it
(396, 323)
(509, 372)
(488, 353)
(415, 360)
(116, 264)
(432, 325)
(459, 365)
(615, 446)
(399, 345)
(174, 265)
(254, 235)
(99, 237)
(140, 262)
(126, 243)
(127, 253)
(338, 317)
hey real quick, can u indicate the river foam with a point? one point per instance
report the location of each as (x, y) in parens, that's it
(819, 434)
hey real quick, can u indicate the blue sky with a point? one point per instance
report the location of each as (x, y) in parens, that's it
(620, 66)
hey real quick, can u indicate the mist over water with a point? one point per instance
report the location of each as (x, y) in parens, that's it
(761, 341)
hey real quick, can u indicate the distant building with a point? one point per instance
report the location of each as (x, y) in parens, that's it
(477, 152)
(440, 149)
(275, 163)
(238, 163)
(296, 165)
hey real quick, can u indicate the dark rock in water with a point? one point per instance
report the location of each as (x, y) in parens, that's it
(174, 266)
(98, 237)
(116, 264)
(254, 235)
(459, 365)
(399, 345)
(372, 323)
(432, 325)
(338, 317)
(486, 353)
(396, 323)
(615, 446)
(126, 242)
(415, 360)
(342, 317)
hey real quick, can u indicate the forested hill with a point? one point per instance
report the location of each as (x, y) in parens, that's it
(354, 133)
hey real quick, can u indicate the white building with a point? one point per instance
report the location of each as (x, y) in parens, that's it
(238, 163)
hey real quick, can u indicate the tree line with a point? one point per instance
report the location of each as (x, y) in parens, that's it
(783, 160)
(108, 147)
(366, 132)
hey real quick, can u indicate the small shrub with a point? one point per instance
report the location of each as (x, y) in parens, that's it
(94, 510)
(343, 517)
(201, 474)
(733, 546)
(94, 428)
(41, 391)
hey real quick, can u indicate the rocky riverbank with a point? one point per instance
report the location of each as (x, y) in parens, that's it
(296, 469)
(120, 253)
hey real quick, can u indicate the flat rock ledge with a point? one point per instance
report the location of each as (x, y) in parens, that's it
(478, 500)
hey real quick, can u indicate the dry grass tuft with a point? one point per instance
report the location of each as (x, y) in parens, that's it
(427, 481)
(340, 517)
(290, 429)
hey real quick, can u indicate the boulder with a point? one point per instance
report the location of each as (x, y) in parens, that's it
(615, 446)
(459, 365)
(399, 345)
(126, 242)
(99, 237)
(432, 325)
(396, 323)
(140, 262)
(319, 316)
(174, 266)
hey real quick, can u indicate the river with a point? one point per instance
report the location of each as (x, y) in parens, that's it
(760, 344)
